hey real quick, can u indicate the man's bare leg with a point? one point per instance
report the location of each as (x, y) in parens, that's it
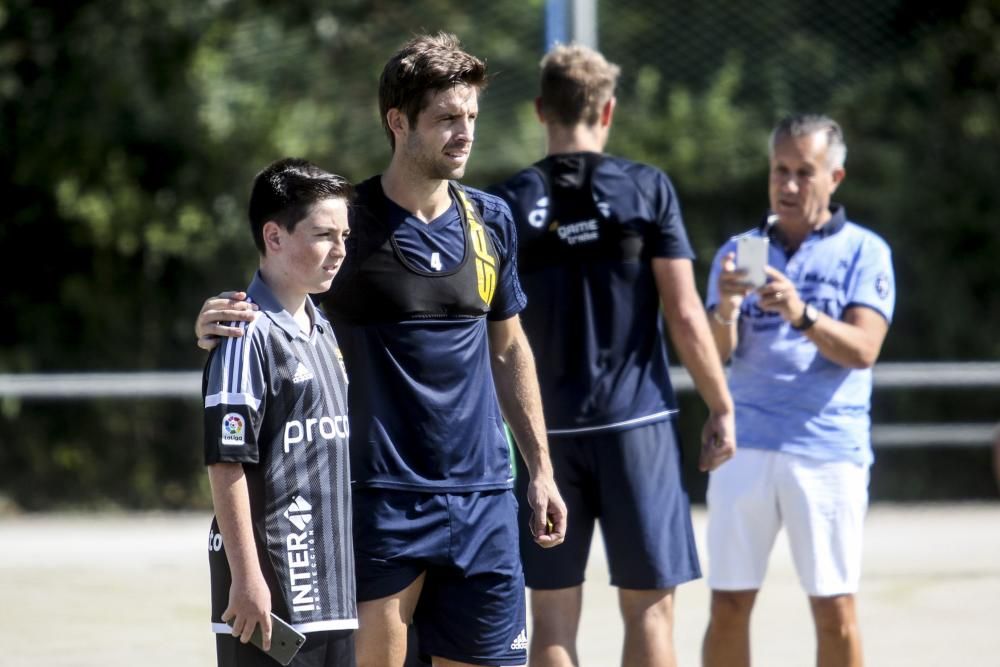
(380, 640)
(555, 618)
(649, 627)
(838, 637)
(727, 639)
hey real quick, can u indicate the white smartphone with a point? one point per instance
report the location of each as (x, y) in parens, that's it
(751, 257)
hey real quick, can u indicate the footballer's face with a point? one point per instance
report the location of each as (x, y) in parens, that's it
(439, 143)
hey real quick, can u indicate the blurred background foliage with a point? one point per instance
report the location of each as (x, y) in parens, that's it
(130, 131)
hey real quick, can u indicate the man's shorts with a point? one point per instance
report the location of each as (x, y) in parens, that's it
(472, 605)
(822, 505)
(631, 482)
(332, 648)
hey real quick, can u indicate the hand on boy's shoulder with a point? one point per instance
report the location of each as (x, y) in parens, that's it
(216, 315)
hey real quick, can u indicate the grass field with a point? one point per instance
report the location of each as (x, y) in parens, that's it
(126, 590)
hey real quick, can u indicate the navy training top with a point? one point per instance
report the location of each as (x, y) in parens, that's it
(422, 403)
(589, 226)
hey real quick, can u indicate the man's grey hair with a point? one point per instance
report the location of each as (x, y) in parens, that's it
(804, 125)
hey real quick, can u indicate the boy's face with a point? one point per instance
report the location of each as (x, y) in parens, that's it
(438, 144)
(311, 254)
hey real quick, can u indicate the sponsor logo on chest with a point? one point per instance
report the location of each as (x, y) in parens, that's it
(313, 429)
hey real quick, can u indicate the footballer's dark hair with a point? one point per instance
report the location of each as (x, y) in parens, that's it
(286, 190)
(425, 64)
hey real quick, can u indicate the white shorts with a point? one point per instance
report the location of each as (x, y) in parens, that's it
(822, 505)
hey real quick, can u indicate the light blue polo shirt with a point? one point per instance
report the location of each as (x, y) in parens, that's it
(788, 396)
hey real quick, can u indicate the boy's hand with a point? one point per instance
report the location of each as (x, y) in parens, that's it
(249, 605)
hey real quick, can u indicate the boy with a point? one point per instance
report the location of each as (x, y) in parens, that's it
(276, 435)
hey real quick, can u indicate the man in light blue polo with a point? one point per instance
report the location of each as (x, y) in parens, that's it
(802, 348)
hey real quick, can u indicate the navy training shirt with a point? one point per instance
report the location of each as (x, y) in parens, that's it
(423, 406)
(435, 246)
(589, 226)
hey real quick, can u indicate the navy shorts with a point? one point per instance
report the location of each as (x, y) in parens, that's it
(472, 605)
(631, 482)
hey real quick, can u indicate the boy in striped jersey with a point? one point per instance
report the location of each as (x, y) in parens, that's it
(276, 435)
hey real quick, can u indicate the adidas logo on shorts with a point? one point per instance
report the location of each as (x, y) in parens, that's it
(521, 643)
(301, 374)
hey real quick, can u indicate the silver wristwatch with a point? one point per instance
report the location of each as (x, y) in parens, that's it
(809, 317)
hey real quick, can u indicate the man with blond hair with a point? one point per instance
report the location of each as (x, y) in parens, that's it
(601, 247)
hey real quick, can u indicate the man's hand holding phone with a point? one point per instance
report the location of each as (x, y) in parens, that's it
(780, 296)
(733, 288)
(777, 294)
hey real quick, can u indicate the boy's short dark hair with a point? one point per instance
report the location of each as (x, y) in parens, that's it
(427, 63)
(286, 190)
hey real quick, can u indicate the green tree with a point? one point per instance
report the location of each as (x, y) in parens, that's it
(924, 169)
(130, 131)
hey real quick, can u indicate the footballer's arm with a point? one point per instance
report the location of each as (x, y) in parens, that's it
(514, 375)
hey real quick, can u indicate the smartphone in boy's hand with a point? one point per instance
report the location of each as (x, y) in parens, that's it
(285, 640)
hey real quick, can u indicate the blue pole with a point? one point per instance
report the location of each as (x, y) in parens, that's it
(555, 23)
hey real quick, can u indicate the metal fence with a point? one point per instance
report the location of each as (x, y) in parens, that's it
(888, 376)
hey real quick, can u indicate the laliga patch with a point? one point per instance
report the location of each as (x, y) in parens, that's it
(234, 429)
(882, 285)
